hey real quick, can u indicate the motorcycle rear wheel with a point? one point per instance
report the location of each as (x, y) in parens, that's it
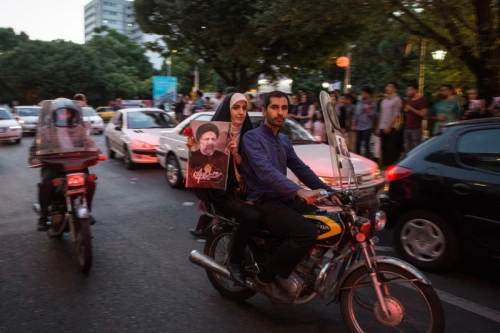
(83, 245)
(216, 247)
(358, 286)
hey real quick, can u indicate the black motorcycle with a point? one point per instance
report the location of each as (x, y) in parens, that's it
(68, 210)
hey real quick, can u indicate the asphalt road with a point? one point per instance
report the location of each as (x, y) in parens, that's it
(142, 280)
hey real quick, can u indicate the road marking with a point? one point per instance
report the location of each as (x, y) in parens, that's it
(469, 306)
(187, 203)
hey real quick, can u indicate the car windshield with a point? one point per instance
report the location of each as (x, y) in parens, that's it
(28, 112)
(294, 131)
(4, 114)
(89, 112)
(148, 119)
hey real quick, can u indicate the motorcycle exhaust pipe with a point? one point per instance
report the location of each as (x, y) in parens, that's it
(206, 262)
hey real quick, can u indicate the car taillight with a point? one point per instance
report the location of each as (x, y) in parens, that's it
(75, 179)
(395, 172)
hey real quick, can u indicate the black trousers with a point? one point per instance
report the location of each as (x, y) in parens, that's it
(45, 189)
(365, 137)
(248, 217)
(284, 219)
(390, 149)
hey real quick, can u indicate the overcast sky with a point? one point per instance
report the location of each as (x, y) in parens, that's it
(45, 19)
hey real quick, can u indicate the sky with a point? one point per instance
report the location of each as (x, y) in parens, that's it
(45, 19)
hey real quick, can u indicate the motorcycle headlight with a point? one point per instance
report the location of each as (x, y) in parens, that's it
(379, 222)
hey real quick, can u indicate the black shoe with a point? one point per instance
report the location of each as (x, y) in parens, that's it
(92, 220)
(204, 233)
(236, 271)
(42, 224)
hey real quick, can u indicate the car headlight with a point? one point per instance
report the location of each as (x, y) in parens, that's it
(379, 222)
(142, 145)
(15, 128)
(20, 121)
(330, 181)
(377, 173)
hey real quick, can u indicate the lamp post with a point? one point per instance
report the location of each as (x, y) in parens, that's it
(325, 85)
(168, 61)
(439, 55)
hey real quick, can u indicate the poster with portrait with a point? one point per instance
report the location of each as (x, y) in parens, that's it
(208, 160)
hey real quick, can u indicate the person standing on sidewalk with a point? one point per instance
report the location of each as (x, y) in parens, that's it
(416, 110)
(362, 120)
(390, 110)
(446, 110)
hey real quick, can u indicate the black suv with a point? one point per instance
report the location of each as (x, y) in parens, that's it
(444, 196)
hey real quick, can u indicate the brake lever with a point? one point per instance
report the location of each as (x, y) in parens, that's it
(34, 166)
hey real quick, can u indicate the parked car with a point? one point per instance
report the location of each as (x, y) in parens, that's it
(95, 123)
(105, 112)
(173, 154)
(444, 195)
(135, 134)
(10, 130)
(27, 116)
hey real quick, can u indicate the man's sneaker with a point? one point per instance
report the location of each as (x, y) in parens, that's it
(42, 224)
(274, 292)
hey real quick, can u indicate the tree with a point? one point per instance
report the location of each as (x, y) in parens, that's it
(469, 29)
(9, 39)
(38, 70)
(239, 40)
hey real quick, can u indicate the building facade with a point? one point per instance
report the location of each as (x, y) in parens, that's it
(118, 15)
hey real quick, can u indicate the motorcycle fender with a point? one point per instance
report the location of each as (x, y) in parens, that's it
(81, 212)
(383, 260)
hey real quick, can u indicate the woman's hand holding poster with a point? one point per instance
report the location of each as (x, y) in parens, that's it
(208, 162)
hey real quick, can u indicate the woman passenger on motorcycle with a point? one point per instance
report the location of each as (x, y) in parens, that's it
(228, 203)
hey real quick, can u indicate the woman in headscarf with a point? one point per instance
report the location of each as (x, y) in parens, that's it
(229, 203)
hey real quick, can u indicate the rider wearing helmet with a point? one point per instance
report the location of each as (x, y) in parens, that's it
(60, 129)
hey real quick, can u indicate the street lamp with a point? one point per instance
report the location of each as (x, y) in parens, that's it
(168, 61)
(439, 55)
(326, 85)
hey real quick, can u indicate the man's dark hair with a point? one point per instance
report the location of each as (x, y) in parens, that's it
(207, 127)
(276, 93)
(219, 91)
(413, 85)
(367, 90)
(230, 90)
(79, 97)
(449, 86)
(207, 98)
(394, 84)
(199, 93)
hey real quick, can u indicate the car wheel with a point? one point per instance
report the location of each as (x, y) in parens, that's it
(129, 164)
(111, 153)
(426, 241)
(173, 172)
(17, 141)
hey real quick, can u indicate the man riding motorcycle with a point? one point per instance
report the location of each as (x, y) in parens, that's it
(63, 116)
(266, 156)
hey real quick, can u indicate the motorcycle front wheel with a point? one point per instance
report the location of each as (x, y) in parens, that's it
(412, 305)
(83, 245)
(217, 248)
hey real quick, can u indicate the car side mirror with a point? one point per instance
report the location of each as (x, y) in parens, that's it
(118, 128)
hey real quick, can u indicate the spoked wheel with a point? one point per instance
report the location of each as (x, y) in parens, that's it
(412, 305)
(173, 172)
(83, 245)
(216, 248)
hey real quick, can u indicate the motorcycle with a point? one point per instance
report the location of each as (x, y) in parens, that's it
(375, 293)
(68, 212)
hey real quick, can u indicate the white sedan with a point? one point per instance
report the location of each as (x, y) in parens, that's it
(10, 130)
(135, 134)
(27, 116)
(173, 154)
(94, 121)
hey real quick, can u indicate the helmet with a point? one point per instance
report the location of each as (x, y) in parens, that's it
(65, 112)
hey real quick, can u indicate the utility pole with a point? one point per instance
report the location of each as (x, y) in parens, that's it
(421, 78)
